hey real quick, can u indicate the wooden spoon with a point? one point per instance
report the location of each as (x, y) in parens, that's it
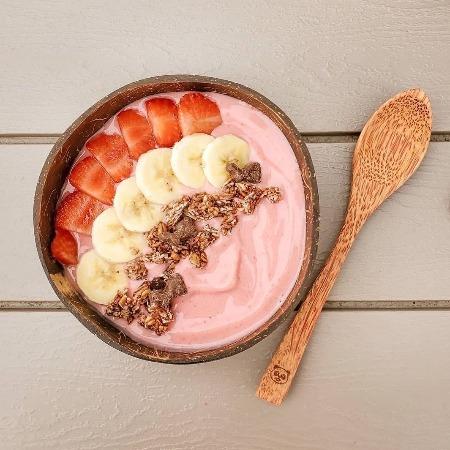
(390, 148)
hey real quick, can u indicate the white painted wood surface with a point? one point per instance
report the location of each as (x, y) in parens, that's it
(371, 379)
(328, 64)
(404, 246)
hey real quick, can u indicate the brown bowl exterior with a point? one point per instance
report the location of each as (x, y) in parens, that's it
(60, 160)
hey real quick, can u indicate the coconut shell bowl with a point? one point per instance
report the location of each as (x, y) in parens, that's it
(62, 157)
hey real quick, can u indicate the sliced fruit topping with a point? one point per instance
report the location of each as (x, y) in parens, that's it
(64, 248)
(187, 159)
(98, 279)
(137, 132)
(198, 114)
(134, 211)
(163, 115)
(223, 150)
(155, 177)
(112, 241)
(77, 212)
(112, 153)
(89, 176)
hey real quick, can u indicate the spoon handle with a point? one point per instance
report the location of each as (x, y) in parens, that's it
(280, 372)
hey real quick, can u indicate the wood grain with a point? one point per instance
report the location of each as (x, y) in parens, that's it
(389, 150)
(372, 381)
(404, 246)
(327, 64)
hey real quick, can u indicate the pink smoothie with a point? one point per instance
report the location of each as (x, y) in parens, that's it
(249, 273)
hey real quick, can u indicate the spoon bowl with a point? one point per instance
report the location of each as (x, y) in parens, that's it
(391, 146)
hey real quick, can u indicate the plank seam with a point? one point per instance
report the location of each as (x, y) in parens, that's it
(326, 137)
(335, 305)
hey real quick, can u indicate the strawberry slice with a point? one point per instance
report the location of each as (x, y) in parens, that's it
(163, 115)
(89, 176)
(136, 131)
(111, 152)
(64, 248)
(198, 114)
(77, 211)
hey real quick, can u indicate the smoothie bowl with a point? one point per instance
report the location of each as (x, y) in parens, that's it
(177, 218)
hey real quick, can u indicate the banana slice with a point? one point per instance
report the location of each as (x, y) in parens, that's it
(98, 279)
(187, 159)
(219, 153)
(114, 242)
(133, 210)
(155, 177)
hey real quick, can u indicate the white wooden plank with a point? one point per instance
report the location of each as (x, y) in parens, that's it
(369, 381)
(22, 274)
(328, 64)
(403, 253)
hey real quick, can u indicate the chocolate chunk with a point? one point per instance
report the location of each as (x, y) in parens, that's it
(251, 173)
(157, 284)
(183, 230)
(174, 287)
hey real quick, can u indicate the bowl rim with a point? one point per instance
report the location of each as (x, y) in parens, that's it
(61, 157)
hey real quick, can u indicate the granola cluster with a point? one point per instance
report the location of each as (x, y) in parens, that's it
(169, 245)
(157, 319)
(183, 235)
(204, 206)
(197, 245)
(136, 269)
(250, 195)
(155, 297)
(124, 306)
(177, 236)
